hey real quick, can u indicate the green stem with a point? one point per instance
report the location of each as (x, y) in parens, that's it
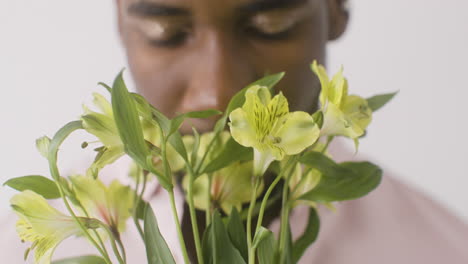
(193, 216)
(208, 198)
(178, 227)
(101, 242)
(329, 140)
(284, 220)
(137, 200)
(253, 198)
(208, 149)
(112, 239)
(269, 191)
(122, 249)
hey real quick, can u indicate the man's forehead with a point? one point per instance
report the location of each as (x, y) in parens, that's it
(241, 5)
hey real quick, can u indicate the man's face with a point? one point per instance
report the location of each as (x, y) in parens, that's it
(188, 55)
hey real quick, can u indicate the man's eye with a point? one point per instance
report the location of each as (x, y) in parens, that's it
(165, 33)
(271, 26)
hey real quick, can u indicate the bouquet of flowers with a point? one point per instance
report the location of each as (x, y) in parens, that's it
(223, 172)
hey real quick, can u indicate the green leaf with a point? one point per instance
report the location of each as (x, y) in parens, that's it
(324, 164)
(176, 139)
(207, 245)
(308, 237)
(157, 250)
(151, 113)
(377, 101)
(261, 234)
(178, 120)
(108, 88)
(340, 182)
(144, 108)
(36, 183)
(141, 209)
(81, 260)
(223, 250)
(237, 233)
(265, 243)
(55, 143)
(231, 153)
(128, 123)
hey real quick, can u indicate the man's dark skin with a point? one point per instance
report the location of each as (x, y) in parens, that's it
(189, 55)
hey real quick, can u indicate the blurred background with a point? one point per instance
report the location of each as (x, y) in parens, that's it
(53, 53)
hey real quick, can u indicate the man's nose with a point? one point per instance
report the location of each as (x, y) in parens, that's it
(219, 68)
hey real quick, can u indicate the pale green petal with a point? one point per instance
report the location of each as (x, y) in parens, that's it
(274, 150)
(103, 104)
(241, 129)
(264, 95)
(41, 224)
(337, 124)
(357, 109)
(105, 157)
(121, 203)
(300, 183)
(111, 204)
(44, 249)
(103, 127)
(298, 132)
(234, 183)
(33, 207)
(320, 71)
(277, 109)
(338, 88)
(176, 162)
(91, 193)
(311, 180)
(296, 174)
(42, 145)
(255, 93)
(262, 160)
(231, 186)
(151, 132)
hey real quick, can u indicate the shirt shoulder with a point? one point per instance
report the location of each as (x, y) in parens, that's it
(393, 224)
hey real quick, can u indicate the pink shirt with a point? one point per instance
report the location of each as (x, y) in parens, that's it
(394, 224)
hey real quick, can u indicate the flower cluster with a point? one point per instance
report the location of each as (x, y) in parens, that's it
(222, 173)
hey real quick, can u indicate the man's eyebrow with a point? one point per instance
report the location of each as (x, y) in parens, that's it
(266, 5)
(152, 9)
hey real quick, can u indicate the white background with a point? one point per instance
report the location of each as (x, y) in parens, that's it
(53, 52)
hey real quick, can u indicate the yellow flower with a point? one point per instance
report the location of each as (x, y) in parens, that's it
(266, 124)
(344, 115)
(230, 187)
(111, 204)
(43, 225)
(102, 125)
